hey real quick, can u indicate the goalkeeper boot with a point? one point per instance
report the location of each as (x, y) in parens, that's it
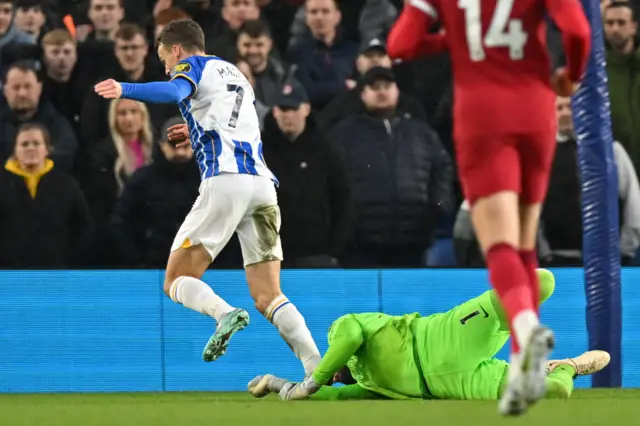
(261, 386)
(229, 324)
(588, 363)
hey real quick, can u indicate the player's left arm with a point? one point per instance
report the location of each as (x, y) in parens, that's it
(185, 77)
(167, 92)
(346, 338)
(409, 38)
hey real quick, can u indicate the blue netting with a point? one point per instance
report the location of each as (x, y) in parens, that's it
(599, 206)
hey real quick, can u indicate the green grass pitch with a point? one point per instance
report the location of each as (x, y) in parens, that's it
(585, 408)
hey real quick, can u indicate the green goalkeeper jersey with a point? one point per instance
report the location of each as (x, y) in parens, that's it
(380, 352)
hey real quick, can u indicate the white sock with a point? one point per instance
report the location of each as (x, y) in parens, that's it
(293, 329)
(197, 295)
(515, 365)
(523, 325)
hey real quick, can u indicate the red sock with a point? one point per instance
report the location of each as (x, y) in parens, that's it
(509, 279)
(530, 262)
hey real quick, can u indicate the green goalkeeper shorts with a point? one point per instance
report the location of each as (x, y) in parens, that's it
(457, 349)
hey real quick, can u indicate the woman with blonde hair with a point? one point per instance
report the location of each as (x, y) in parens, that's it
(130, 129)
(112, 161)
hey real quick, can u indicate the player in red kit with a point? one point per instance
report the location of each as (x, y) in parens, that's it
(504, 136)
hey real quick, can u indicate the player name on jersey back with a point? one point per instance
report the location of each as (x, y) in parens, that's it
(223, 123)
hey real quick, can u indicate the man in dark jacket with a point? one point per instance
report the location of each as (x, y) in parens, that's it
(623, 70)
(255, 46)
(154, 204)
(22, 104)
(314, 194)
(131, 64)
(372, 54)
(325, 60)
(401, 178)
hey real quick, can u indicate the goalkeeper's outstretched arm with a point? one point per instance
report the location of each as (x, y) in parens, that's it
(345, 339)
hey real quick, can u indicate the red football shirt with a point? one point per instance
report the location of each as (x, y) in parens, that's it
(500, 63)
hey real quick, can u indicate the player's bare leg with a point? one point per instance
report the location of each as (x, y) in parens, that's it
(496, 219)
(264, 286)
(529, 221)
(183, 285)
(537, 352)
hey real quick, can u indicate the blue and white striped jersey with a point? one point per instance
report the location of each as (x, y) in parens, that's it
(222, 119)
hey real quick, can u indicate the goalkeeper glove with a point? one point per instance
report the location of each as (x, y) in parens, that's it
(294, 392)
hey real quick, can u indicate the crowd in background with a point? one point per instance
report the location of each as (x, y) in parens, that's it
(362, 147)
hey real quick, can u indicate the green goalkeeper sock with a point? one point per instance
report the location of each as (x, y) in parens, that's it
(547, 286)
(560, 382)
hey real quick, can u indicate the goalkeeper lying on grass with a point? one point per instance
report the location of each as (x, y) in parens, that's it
(442, 356)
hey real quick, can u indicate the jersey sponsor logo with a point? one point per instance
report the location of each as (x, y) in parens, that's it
(181, 68)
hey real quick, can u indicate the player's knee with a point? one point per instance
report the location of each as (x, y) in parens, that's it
(169, 280)
(263, 300)
(547, 283)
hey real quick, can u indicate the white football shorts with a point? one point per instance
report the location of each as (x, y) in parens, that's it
(229, 203)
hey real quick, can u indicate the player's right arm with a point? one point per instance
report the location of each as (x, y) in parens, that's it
(409, 38)
(576, 34)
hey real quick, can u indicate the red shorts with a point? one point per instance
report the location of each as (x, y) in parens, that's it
(521, 163)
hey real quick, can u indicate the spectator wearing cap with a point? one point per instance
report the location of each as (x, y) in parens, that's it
(10, 34)
(255, 46)
(325, 59)
(111, 162)
(153, 205)
(23, 103)
(372, 54)
(400, 175)
(44, 218)
(131, 51)
(314, 195)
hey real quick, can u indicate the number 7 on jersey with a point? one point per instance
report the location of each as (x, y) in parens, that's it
(233, 121)
(502, 31)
